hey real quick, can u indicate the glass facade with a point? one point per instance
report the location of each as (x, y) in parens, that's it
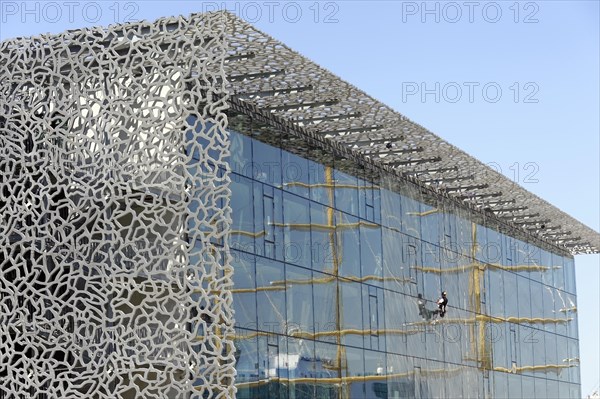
(337, 270)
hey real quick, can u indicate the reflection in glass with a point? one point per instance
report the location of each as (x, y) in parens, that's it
(244, 293)
(323, 238)
(346, 192)
(270, 295)
(370, 253)
(296, 219)
(348, 245)
(299, 295)
(246, 355)
(336, 279)
(326, 299)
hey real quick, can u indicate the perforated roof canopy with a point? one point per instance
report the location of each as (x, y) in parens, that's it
(273, 78)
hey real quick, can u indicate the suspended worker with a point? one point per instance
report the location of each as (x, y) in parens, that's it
(442, 302)
(423, 311)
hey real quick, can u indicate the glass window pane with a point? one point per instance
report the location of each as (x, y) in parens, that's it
(299, 300)
(564, 391)
(430, 271)
(301, 368)
(453, 268)
(500, 386)
(537, 301)
(244, 294)
(370, 253)
(375, 374)
(471, 382)
(551, 358)
(454, 382)
(270, 295)
(246, 349)
(350, 309)
(524, 297)
(562, 353)
(396, 273)
(400, 378)
(525, 348)
(323, 237)
(328, 357)
(548, 303)
(396, 321)
(514, 386)
(432, 224)
(552, 388)
(266, 163)
(558, 272)
(354, 367)
(391, 215)
(538, 341)
(570, 275)
(242, 214)
(347, 245)
(528, 387)
(575, 390)
(241, 154)
(573, 350)
(546, 268)
(295, 174)
(563, 310)
(411, 221)
(346, 192)
(540, 388)
(326, 303)
(435, 380)
(296, 216)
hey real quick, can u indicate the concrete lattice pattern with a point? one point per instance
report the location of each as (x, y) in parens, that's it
(114, 275)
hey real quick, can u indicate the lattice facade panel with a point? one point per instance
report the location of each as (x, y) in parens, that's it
(114, 207)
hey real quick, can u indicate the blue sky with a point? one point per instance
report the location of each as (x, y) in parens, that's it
(547, 52)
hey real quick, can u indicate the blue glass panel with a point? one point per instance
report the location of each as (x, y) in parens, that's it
(242, 214)
(299, 300)
(326, 299)
(396, 321)
(348, 245)
(244, 296)
(528, 387)
(569, 266)
(240, 160)
(296, 216)
(514, 386)
(370, 253)
(558, 272)
(270, 295)
(323, 237)
(295, 174)
(410, 216)
(266, 163)
(350, 309)
(540, 388)
(400, 377)
(346, 192)
(246, 349)
(391, 214)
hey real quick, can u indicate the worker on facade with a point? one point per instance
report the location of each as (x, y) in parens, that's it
(423, 311)
(442, 302)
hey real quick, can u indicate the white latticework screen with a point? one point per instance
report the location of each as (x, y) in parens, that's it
(114, 273)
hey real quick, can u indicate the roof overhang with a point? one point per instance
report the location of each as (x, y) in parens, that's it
(283, 85)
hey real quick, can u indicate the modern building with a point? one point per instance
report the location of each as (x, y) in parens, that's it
(190, 209)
